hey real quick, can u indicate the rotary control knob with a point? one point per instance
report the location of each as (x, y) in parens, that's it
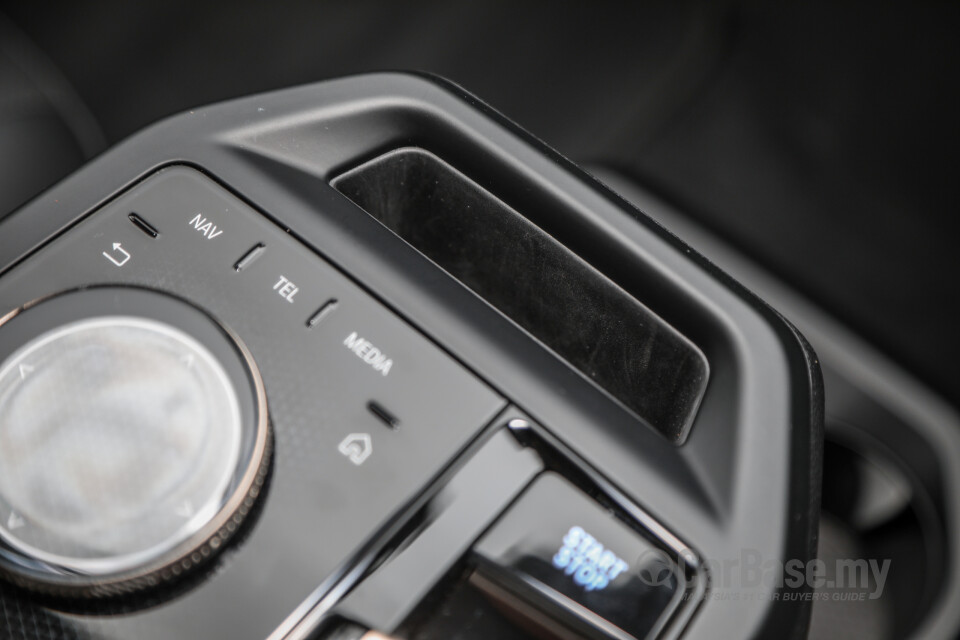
(134, 440)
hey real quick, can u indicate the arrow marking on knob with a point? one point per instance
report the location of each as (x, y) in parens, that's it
(185, 510)
(14, 522)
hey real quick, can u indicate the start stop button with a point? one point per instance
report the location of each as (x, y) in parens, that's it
(565, 555)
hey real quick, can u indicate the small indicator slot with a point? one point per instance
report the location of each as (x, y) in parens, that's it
(388, 418)
(249, 257)
(322, 313)
(143, 225)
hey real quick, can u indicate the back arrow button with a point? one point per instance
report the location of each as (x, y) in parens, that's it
(119, 256)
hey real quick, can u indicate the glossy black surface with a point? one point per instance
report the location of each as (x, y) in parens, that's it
(564, 554)
(752, 457)
(322, 504)
(455, 517)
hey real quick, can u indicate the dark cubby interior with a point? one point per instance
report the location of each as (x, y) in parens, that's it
(519, 268)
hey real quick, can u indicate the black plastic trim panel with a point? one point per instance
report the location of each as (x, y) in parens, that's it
(747, 476)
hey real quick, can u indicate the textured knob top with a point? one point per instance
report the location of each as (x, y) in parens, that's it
(123, 447)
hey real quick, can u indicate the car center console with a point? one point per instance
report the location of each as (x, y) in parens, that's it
(363, 359)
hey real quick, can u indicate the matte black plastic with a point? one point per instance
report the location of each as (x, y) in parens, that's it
(883, 425)
(746, 478)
